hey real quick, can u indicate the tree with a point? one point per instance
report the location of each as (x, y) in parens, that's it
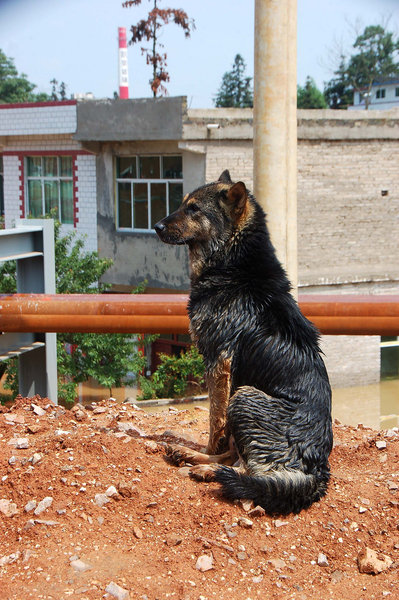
(338, 92)
(375, 58)
(235, 89)
(14, 87)
(149, 30)
(106, 357)
(60, 93)
(309, 96)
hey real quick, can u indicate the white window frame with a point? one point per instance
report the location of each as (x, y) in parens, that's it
(143, 181)
(43, 178)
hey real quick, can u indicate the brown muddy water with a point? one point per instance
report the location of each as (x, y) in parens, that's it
(374, 405)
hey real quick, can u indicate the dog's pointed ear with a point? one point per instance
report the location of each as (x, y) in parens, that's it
(225, 177)
(237, 198)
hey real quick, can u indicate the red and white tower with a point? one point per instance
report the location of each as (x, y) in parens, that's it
(123, 70)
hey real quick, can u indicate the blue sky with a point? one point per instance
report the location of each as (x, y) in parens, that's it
(75, 41)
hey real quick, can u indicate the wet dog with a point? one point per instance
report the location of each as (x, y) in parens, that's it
(270, 397)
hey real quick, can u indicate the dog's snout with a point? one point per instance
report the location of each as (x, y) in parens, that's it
(159, 227)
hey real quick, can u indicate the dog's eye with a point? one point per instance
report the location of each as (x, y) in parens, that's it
(192, 208)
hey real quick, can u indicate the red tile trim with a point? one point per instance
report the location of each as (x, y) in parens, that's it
(75, 192)
(22, 186)
(39, 104)
(72, 153)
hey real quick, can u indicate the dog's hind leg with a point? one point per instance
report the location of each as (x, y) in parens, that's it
(180, 455)
(219, 384)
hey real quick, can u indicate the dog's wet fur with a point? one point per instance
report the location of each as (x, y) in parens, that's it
(270, 397)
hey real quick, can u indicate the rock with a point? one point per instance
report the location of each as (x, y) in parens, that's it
(117, 591)
(8, 508)
(322, 560)
(257, 579)
(37, 457)
(38, 410)
(22, 443)
(7, 560)
(13, 419)
(151, 447)
(258, 511)
(111, 491)
(172, 539)
(124, 489)
(80, 566)
(80, 415)
(244, 522)
(12, 460)
(392, 486)
(137, 533)
(277, 563)
(381, 444)
(372, 562)
(204, 563)
(43, 505)
(279, 523)
(31, 505)
(34, 428)
(130, 429)
(101, 500)
(247, 505)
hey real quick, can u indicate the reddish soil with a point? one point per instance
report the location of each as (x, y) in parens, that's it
(149, 535)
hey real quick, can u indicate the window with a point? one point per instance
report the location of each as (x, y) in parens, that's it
(380, 93)
(397, 91)
(49, 185)
(148, 189)
(389, 357)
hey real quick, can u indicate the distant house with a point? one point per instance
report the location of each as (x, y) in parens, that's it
(383, 95)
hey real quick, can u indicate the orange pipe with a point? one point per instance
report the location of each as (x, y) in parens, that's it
(167, 313)
(94, 323)
(94, 304)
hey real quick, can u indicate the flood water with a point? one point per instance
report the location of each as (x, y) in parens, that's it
(374, 405)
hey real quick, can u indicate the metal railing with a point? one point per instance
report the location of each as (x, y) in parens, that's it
(167, 313)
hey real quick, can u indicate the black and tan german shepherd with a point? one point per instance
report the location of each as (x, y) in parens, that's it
(270, 397)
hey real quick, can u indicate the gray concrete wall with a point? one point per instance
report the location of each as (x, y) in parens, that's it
(140, 119)
(137, 256)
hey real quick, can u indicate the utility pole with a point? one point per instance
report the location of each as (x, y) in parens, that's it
(275, 125)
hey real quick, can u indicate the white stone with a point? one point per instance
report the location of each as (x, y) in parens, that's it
(117, 591)
(43, 505)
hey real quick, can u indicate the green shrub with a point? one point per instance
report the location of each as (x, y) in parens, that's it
(174, 376)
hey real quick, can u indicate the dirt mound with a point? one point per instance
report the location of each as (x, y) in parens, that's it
(90, 508)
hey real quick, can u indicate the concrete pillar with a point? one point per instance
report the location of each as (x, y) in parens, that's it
(275, 125)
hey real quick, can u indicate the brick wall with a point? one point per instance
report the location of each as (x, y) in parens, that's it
(12, 195)
(38, 118)
(86, 199)
(235, 156)
(348, 232)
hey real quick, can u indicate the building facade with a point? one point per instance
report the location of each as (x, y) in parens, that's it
(383, 95)
(112, 168)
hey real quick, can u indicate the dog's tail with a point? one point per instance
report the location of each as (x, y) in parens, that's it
(278, 492)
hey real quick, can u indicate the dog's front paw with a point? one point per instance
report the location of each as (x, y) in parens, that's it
(176, 454)
(203, 472)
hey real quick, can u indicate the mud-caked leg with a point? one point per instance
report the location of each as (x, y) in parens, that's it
(219, 384)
